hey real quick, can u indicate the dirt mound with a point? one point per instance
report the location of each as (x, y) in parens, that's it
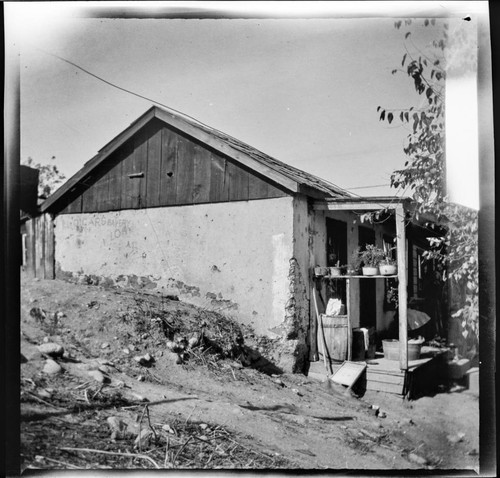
(144, 381)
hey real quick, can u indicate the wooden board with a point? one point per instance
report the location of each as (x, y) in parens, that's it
(49, 247)
(185, 171)
(115, 181)
(385, 378)
(257, 188)
(384, 387)
(168, 170)
(217, 176)
(140, 165)
(30, 245)
(153, 178)
(348, 373)
(101, 193)
(202, 171)
(39, 238)
(238, 182)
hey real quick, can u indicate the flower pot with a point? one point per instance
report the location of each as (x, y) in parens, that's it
(370, 271)
(388, 270)
(320, 271)
(335, 271)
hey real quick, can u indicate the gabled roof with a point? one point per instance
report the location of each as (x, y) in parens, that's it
(289, 177)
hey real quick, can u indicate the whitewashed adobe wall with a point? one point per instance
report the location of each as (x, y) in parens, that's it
(232, 256)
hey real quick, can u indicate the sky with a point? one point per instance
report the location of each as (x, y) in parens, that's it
(303, 90)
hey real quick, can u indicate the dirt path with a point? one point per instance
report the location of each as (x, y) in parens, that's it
(285, 421)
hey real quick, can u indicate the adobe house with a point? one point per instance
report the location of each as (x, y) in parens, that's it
(175, 207)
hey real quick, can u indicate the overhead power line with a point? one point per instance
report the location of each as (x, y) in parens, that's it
(194, 119)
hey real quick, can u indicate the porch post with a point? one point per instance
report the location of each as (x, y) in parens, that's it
(402, 288)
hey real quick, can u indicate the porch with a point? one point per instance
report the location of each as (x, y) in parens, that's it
(404, 376)
(382, 375)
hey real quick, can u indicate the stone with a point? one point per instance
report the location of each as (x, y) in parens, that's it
(104, 369)
(103, 361)
(117, 427)
(126, 351)
(51, 367)
(23, 359)
(455, 438)
(167, 428)
(145, 359)
(141, 378)
(116, 424)
(105, 345)
(140, 397)
(43, 393)
(419, 460)
(98, 376)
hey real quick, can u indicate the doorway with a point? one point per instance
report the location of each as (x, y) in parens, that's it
(367, 287)
(336, 253)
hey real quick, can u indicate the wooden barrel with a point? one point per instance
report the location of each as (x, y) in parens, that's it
(336, 337)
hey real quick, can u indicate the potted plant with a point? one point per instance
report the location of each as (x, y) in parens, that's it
(388, 266)
(320, 271)
(371, 258)
(336, 270)
(354, 265)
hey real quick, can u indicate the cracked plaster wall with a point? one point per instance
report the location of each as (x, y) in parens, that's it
(233, 257)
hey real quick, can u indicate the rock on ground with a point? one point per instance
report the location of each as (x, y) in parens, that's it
(98, 376)
(51, 367)
(52, 349)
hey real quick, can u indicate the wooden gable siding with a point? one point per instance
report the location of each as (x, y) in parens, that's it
(40, 247)
(160, 166)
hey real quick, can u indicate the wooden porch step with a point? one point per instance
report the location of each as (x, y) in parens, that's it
(385, 387)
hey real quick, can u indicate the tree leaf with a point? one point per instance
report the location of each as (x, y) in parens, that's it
(382, 115)
(390, 116)
(407, 34)
(404, 59)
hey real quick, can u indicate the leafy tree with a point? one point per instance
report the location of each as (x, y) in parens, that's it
(50, 178)
(424, 171)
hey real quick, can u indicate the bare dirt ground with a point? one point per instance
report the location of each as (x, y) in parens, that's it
(217, 409)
